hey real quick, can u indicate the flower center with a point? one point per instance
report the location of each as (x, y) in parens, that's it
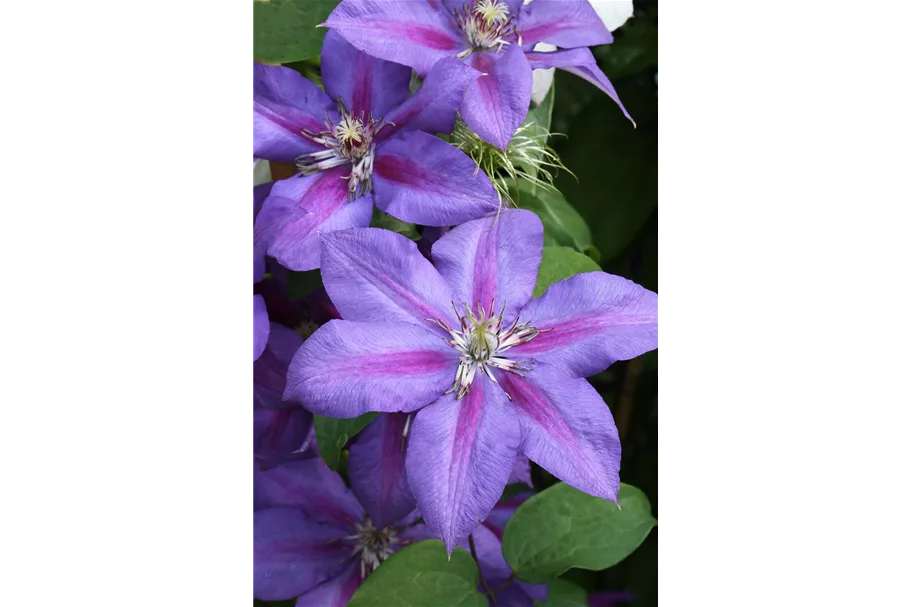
(486, 24)
(373, 546)
(350, 141)
(481, 341)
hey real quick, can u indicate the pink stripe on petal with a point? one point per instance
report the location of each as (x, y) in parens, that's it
(348, 368)
(566, 428)
(459, 458)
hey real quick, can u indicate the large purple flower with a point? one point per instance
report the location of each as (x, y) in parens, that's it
(282, 430)
(497, 37)
(490, 371)
(365, 142)
(312, 539)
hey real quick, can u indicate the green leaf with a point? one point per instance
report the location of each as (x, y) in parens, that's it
(332, 434)
(558, 263)
(285, 30)
(301, 284)
(561, 527)
(388, 222)
(421, 575)
(563, 225)
(616, 164)
(561, 593)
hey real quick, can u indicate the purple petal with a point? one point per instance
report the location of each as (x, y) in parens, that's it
(521, 471)
(503, 511)
(581, 62)
(292, 553)
(280, 435)
(366, 84)
(334, 592)
(348, 368)
(433, 107)
(564, 23)
(270, 370)
(610, 599)
(593, 319)
(309, 486)
(494, 259)
(376, 468)
(260, 193)
(496, 104)
(422, 179)
(566, 429)
(416, 33)
(374, 274)
(284, 102)
(300, 208)
(260, 326)
(496, 571)
(459, 458)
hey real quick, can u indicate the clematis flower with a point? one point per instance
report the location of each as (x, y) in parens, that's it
(496, 37)
(489, 371)
(282, 430)
(313, 539)
(365, 142)
(491, 564)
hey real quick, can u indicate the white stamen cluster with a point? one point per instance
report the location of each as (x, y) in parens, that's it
(481, 341)
(349, 141)
(373, 546)
(486, 24)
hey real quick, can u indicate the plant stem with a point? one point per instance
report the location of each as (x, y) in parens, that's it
(474, 555)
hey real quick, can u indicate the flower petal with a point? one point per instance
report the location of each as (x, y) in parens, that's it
(433, 107)
(459, 458)
(348, 368)
(565, 23)
(422, 179)
(374, 274)
(497, 103)
(521, 471)
(496, 571)
(284, 102)
(376, 468)
(270, 369)
(279, 436)
(260, 193)
(260, 326)
(581, 62)
(309, 486)
(593, 319)
(503, 511)
(494, 259)
(366, 84)
(292, 553)
(566, 429)
(335, 591)
(411, 33)
(300, 208)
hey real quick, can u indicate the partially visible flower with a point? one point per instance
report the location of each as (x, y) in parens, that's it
(282, 430)
(313, 539)
(489, 371)
(362, 142)
(260, 315)
(493, 567)
(496, 37)
(610, 599)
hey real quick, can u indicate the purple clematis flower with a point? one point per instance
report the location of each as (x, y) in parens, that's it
(312, 538)
(489, 371)
(365, 142)
(496, 37)
(282, 430)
